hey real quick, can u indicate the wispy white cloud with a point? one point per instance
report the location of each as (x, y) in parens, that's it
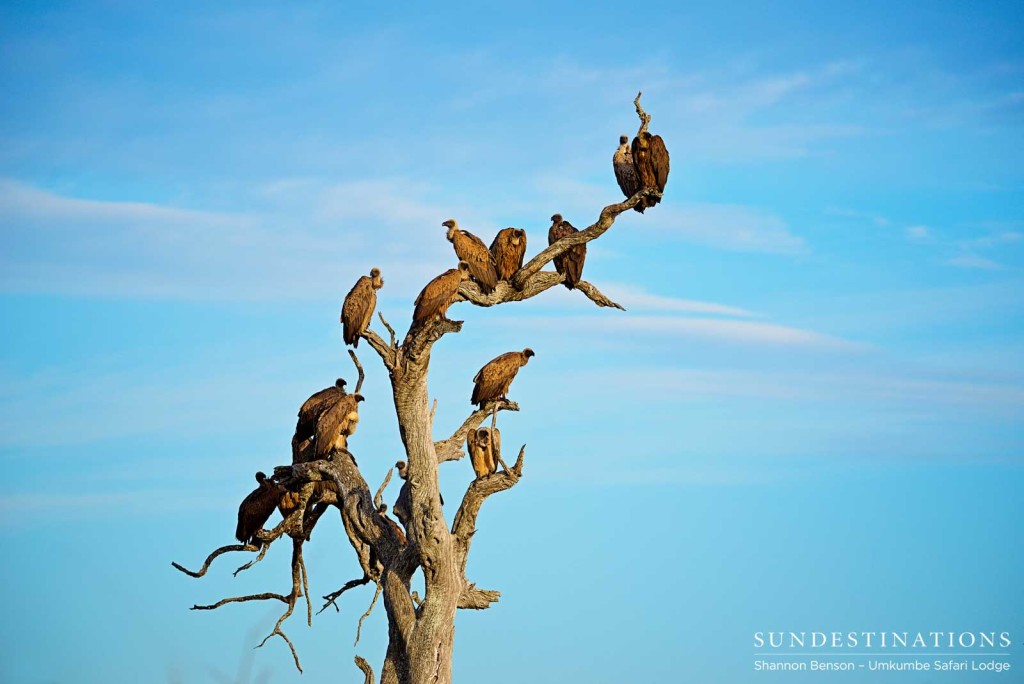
(974, 261)
(918, 232)
(635, 298)
(730, 227)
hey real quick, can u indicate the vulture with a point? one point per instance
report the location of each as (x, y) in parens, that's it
(336, 425)
(570, 263)
(256, 509)
(650, 158)
(309, 414)
(492, 381)
(325, 492)
(359, 305)
(625, 172)
(439, 294)
(484, 451)
(508, 250)
(473, 251)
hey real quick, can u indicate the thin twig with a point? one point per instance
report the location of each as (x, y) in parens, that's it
(335, 595)
(645, 118)
(263, 552)
(391, 331)
(359, 627)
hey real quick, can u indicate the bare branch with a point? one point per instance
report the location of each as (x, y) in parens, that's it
(359, 627)
(359, 367)
(335, 595)
(391, 331)
(451, 449)
(209, 559)
(645, 118)
(378, 498)
(477, 599)
(464, 524)
(386, 352)
(592, 232)
(263, 552)
(241, 599)
(367, 670)
(596, 296)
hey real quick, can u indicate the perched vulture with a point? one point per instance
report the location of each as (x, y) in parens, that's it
(625, 172)
(359, 304)
(492, 381)
(438, 295)
(403, 504)
(256, 509)
(650, 157)
(508, 250)
(484, 451)
(473, 251)
(309, 414)
(570, 263)
(336, 425)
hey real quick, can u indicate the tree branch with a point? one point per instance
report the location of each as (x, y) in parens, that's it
(209, 559)
(241, 599)
(359, 368)
(451, 449)
(367, 670)
(386, 352)
(391, 331)
(477, 599)
(464, 525)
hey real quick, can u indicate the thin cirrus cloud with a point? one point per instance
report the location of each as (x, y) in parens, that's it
(729, 226)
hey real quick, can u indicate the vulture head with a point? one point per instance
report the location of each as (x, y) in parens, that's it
(452, 227)
(557, 218)
(483, 438)
(261, 477)
(528, 353)
(375, 278)
(517, 235)
(403, 469)
(340, 383)
(623, 139)
(464, 270)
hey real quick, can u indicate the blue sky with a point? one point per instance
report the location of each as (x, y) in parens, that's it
(814, 399)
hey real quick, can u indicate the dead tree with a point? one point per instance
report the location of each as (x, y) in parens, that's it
(421, 631)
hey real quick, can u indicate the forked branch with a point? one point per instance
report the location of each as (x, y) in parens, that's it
(451, 449)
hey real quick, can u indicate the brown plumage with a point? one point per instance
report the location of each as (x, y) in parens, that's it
(625, 172)
(359, 304)
(508, 249)
(336, 425)
(438, 295)
(256, 509)
(650, 157)
(483, 450)
(570, 263)
(473, 251)
(309, 414)
(493, 380)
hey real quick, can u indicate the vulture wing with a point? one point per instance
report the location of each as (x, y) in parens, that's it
(495, 449)
(311, 409)
(570, 263)
(477, 455)
(625, 172)
(436, 297)
(494, 378)
(659, 162)
(472, 250)
(508, 257)
(255, 510)
(357, 310)
(332, 423)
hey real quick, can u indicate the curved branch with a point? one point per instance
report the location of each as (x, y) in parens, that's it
(331, 599)
(241, 599)
(367, 670)
(359, 368)
(386, 352)
(209, 559)
(451, 449)
(464, 525)
(391, 331)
